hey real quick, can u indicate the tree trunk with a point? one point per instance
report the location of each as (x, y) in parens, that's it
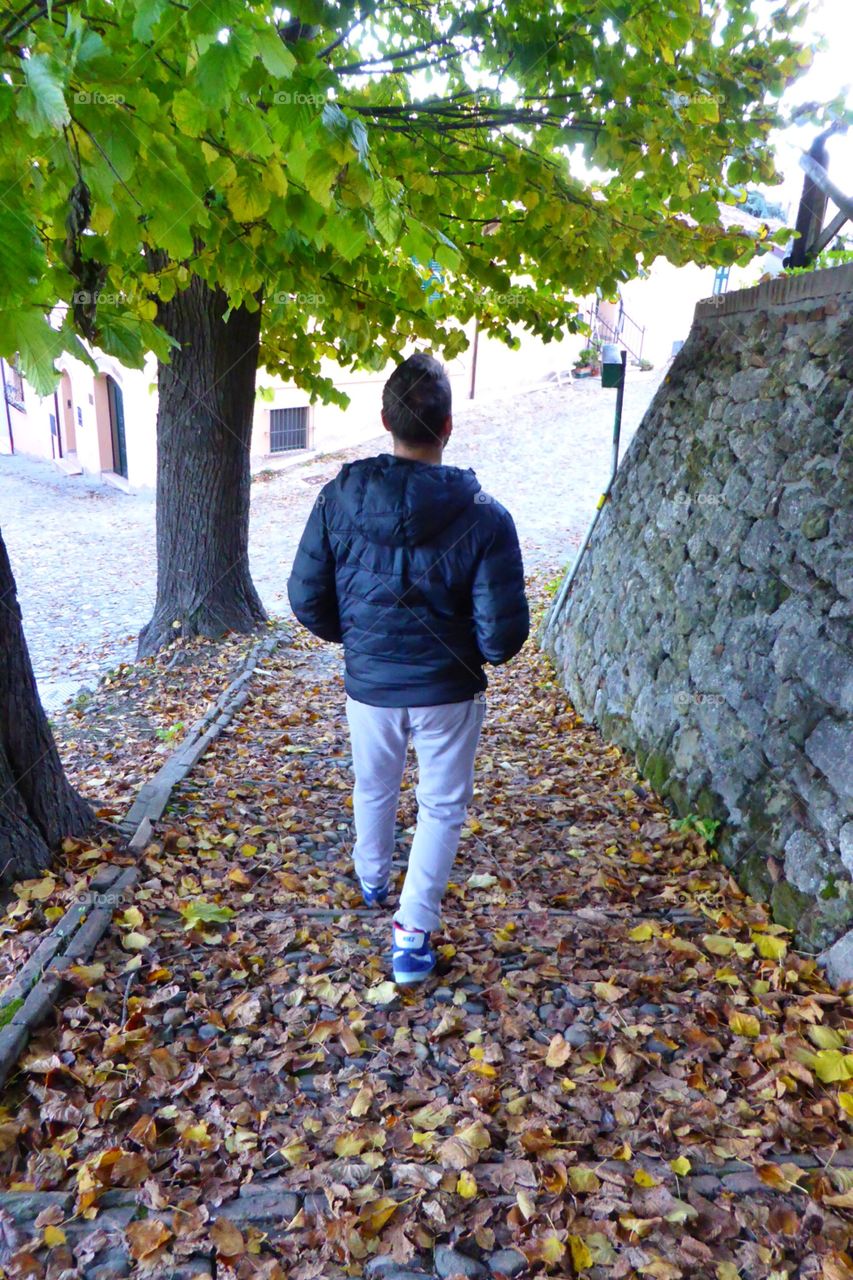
(38, 806)
(204, 429)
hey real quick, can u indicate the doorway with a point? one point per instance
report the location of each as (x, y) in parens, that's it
(119, 442)
(68, 428)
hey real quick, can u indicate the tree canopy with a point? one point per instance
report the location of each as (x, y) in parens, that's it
(323, 162)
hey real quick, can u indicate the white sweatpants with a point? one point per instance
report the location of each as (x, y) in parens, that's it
(445, 738)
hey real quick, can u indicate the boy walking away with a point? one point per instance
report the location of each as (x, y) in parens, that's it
(419, 574)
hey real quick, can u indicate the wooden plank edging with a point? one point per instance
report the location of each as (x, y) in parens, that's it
(33, 993)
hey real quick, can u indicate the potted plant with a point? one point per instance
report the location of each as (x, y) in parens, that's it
(588, 363)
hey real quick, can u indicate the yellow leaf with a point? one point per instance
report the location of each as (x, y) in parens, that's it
(382, 993)
(238, 876)
(770, 948)
(582, 1179)
(476, 1135)
(644, 1179)
(624, 1152)
(826, 1038)
(744, 1024)
(132, 917)
(375, 1215)
(680, 1211)
(349, 1145)
(660, 1269)
(831, 1065)
(603, 1253)
(559, 1052)
(294, 1153)
(526, 1204)
(642, 933)
(466, 1185)
(135, 941)
(681, 1166)
(38, 889)
(552, 1249)
(198, 1134)
(718, 944)
(54, 1236)
(88, 974)
(608, 991)
(431, 1116)
(727, 1271)
(361, 1102)
(638, 1227)
(845, 1102)
(581, 1256)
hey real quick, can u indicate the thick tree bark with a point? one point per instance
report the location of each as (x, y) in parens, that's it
(38, 806)
(204, 429)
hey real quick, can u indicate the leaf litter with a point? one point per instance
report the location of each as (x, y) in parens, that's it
(623, 1067)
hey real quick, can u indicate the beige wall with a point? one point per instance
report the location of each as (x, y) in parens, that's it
(30, 423)
(499, 369)
(665, 300)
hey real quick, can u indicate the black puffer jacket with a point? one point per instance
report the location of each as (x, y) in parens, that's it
(419, 573)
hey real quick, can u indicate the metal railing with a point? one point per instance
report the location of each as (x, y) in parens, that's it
(626, 332)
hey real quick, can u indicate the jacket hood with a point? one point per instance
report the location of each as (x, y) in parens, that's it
(401, 503)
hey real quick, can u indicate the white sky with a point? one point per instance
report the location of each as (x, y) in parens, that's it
(830, 75)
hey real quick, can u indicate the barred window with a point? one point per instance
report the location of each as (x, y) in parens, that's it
(289, 429)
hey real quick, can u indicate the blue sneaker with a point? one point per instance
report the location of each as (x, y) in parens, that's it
(374, 894)
(412, 958)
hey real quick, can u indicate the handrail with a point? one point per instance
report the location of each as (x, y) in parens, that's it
(601, 328)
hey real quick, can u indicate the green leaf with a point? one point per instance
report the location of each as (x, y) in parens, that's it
(386, 213)
(274, 53)
(826, 1037)
(205, 913)
(42, 102)
(220, 67)
(191, 115)
(320, 173)
(148, 13)
(38, 345)
(8, 1011)
(22, 258)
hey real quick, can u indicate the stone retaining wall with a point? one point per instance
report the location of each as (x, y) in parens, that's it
(710, 628)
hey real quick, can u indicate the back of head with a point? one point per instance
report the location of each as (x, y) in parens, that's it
(416, 400)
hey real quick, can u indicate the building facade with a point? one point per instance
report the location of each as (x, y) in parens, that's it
(105, 422)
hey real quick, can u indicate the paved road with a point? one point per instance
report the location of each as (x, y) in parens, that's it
(84, 555)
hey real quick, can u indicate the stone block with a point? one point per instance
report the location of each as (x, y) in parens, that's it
(845, 845)
(261, 1203)
(450, 1262)
(807, 862)
(24, 1206)
(837, 960)
(830, 749)
(507, 1262)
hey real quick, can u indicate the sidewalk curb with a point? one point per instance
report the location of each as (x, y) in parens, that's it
(31, 996)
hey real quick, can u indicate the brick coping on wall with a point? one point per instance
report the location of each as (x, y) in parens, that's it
(826, 283)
